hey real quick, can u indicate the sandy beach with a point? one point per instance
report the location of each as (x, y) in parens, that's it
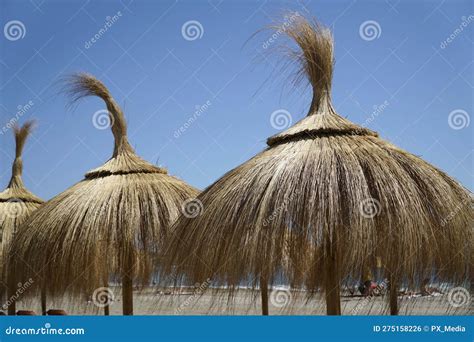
(247, 302)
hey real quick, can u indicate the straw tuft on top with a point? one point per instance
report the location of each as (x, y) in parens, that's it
(21, 133)
(124, 159)
(16, 189)
(82, 85)
(315, 58)
(314, 61)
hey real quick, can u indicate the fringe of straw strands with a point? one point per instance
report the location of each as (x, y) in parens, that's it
(324, 189)
(118, 215)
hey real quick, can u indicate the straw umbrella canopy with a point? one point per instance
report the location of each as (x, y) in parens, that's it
(110, 223)
(16, 204)
(323, 199)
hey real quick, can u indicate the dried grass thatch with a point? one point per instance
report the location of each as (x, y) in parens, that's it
(16, 204)
(321, 202)
(107, 225)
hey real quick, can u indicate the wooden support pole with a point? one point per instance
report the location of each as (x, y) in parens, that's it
(107, 303)
(106, 280)
(127, 288)
(264, 293)
(43, 301)
(393, 296)
(106, 310)
(332, 281)
(11, 290)
(333, 296)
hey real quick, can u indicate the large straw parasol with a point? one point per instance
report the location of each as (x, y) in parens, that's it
(324, 198)
(107, 225)
(16, 204)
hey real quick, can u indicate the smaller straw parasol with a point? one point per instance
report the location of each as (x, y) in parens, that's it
(110, 224)
(16, 204)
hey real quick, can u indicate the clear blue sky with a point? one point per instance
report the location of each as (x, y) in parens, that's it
(159, 78)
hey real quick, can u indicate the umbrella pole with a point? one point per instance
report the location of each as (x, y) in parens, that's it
(43, 301)
(127, 295)
(11, 291)
(106, 282)
(106, 307)
(127, 288)
(332, 286)
(4, 292)
(264, 293)
(393, 296)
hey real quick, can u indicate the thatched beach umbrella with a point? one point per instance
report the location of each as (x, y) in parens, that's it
(110, 223)
(322, 200)
(16, 204)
